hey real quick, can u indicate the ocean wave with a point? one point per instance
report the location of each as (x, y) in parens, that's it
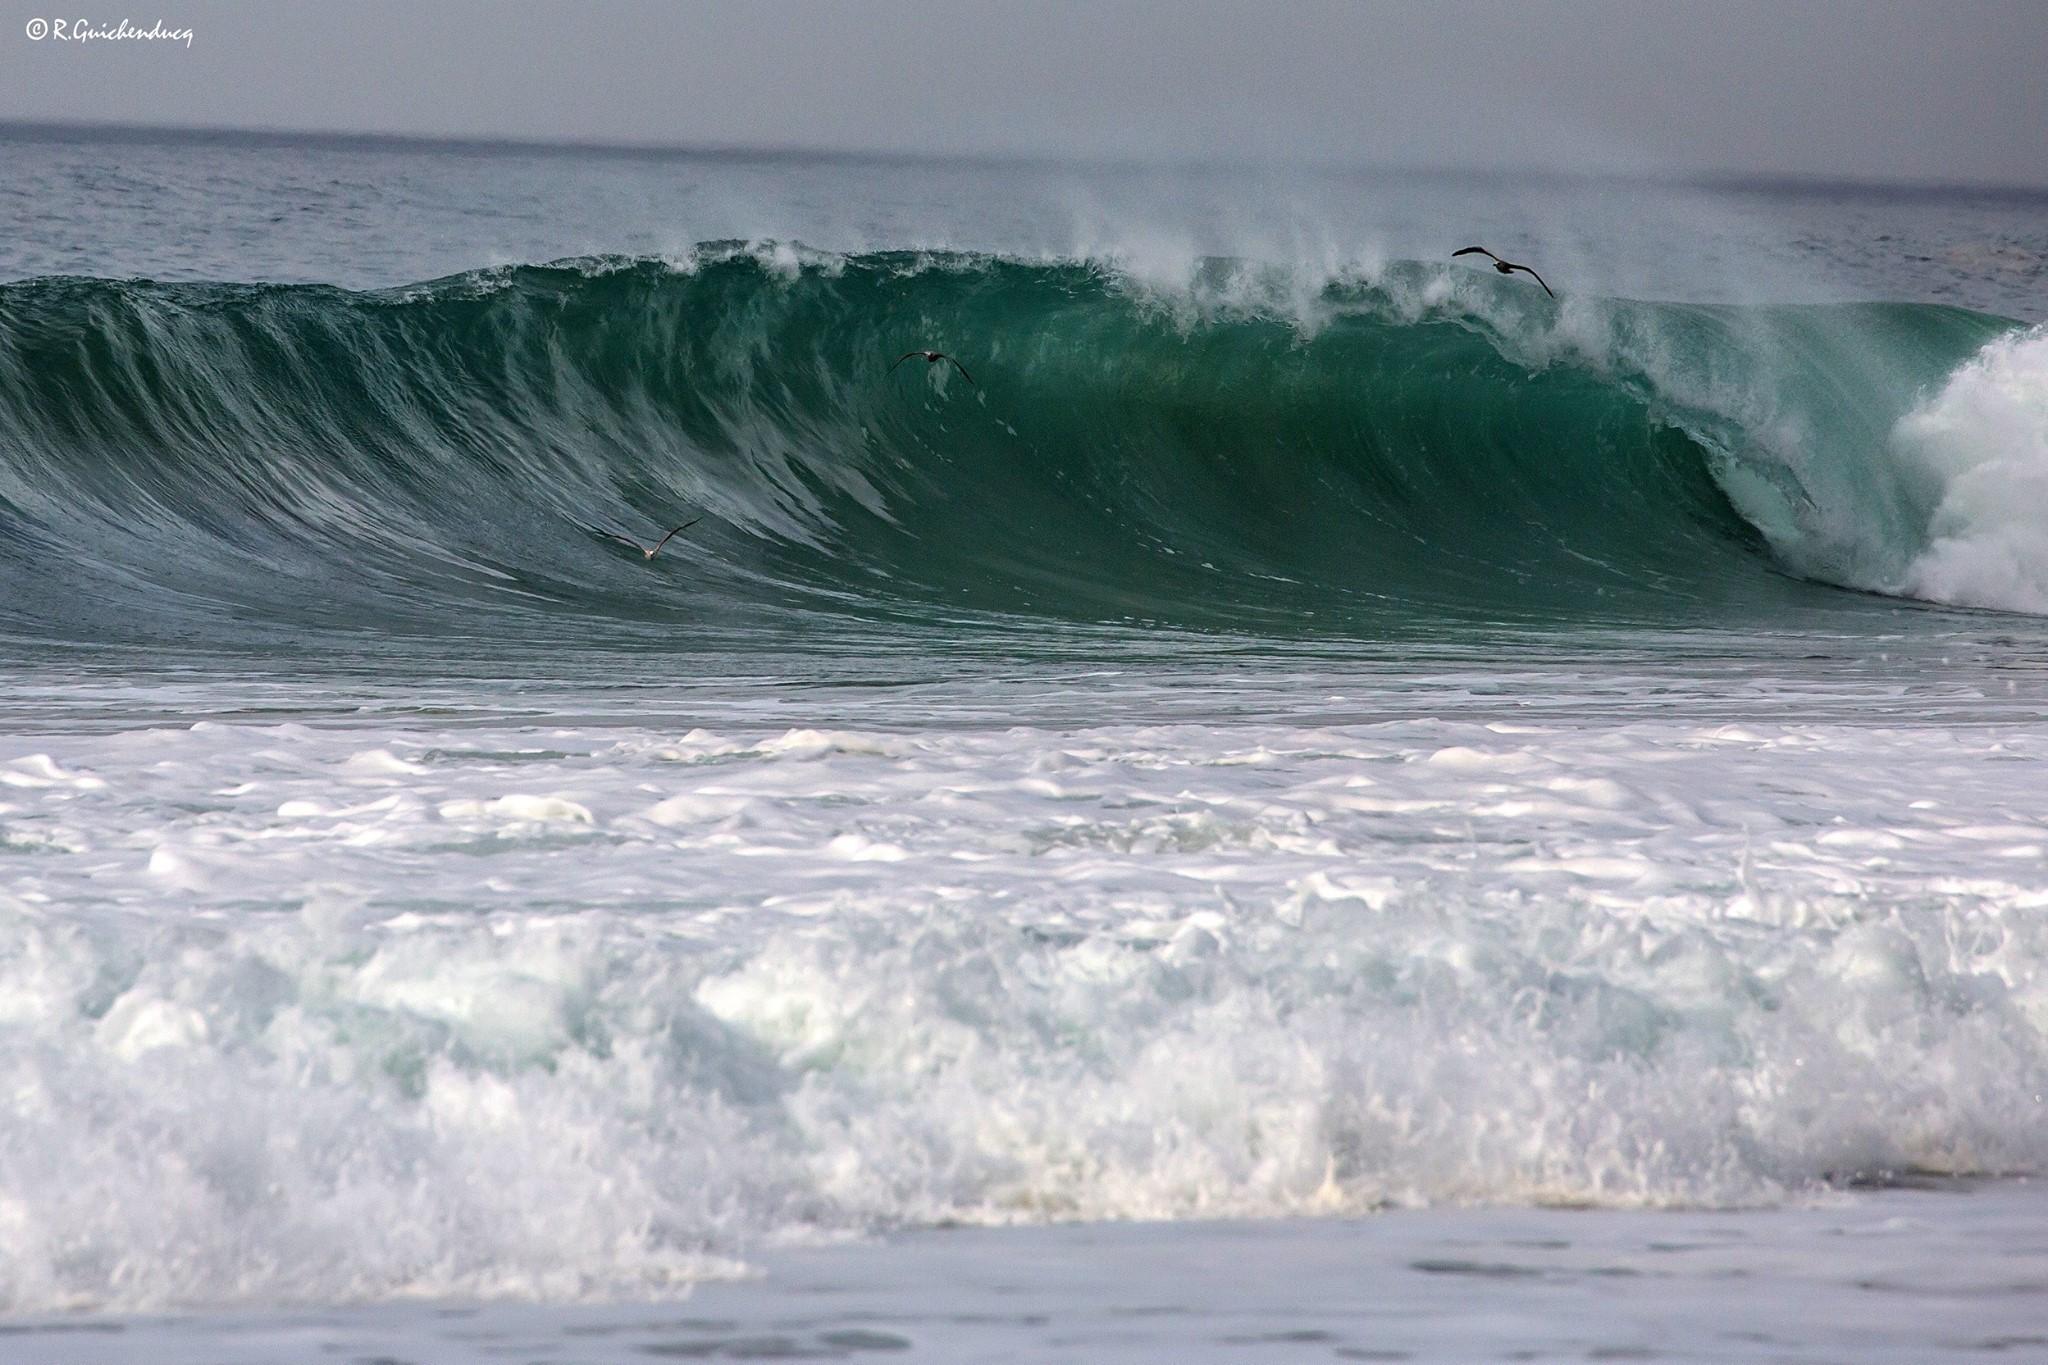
(1370, 447)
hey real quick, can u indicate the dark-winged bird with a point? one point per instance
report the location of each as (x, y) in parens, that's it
(628, 540)
(933, 358)
(1504, 267)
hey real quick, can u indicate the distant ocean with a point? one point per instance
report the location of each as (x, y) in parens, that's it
(1317, 750)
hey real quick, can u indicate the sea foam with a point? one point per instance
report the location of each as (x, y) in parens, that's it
(1983, 443)
(595, 1012)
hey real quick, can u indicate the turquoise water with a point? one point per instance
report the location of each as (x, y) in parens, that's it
(1389, 458)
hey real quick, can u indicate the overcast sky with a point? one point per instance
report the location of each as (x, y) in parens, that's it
(1952, 90)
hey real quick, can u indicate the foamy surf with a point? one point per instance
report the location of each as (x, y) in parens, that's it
(1981, 446)
(571, 1013)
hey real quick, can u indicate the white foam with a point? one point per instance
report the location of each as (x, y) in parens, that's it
(520, 807)
(40, 770)
(1983, 444)
(816, 982)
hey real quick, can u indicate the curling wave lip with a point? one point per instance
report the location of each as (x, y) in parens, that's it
(1371, 457)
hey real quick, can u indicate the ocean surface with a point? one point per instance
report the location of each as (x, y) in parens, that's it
(1325, 804)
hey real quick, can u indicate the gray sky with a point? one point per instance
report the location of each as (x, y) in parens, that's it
(1886, 89)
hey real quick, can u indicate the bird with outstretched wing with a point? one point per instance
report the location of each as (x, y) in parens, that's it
(645, 552)
(1504, 267)
(933, 358)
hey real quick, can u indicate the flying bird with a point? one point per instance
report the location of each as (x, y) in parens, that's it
(628, 540)
(1504, 267)
(933, 358)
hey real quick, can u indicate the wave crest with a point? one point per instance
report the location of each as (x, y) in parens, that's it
(1982, 444)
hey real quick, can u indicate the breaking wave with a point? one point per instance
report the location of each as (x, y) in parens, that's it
(1241, 449)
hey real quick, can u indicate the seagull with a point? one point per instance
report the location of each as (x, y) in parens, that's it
(933, 358)
(628, 540)
(1504, 267)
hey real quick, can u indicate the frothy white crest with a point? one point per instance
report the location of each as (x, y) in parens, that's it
(786, 259)
(1199, 259)
(1983, 441)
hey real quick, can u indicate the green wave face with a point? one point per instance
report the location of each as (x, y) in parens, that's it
(1241, 453)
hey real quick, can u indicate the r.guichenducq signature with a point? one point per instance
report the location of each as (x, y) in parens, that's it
(87, 31)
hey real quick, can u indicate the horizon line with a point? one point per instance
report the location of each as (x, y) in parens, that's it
(129, 130)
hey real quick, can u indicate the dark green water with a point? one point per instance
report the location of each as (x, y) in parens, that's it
(1375, 460)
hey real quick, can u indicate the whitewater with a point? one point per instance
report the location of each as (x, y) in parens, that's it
(1318, 758)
